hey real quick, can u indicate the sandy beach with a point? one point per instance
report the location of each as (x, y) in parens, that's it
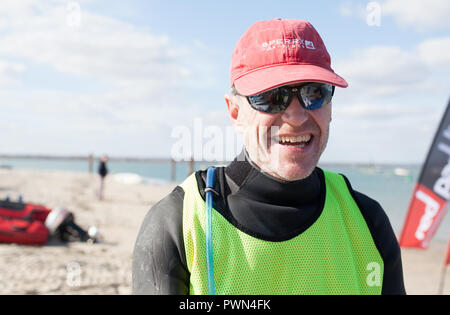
(105, 268)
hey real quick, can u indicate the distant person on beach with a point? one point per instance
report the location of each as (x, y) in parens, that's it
(102, 171)
(278, 224)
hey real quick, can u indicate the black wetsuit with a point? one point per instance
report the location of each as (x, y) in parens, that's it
(275, 210)
(102, 169)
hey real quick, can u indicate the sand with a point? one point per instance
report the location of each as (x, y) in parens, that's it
(105, 267)
(76, 268)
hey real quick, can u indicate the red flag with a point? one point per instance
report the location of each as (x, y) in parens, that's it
(425, 214)
(432, 192)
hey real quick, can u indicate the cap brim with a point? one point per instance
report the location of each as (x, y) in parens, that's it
(268, 78)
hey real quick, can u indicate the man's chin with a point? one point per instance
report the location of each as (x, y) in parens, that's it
(283, 166)
(292, 172)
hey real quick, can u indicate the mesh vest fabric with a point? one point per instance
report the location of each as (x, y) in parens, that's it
(335, 255)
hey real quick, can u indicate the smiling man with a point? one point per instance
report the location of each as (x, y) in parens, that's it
(277, 224)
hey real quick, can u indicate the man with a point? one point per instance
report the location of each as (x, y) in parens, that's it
(279, 224)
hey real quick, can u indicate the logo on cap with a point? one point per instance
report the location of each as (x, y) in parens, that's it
(309, 45)
(288, 42)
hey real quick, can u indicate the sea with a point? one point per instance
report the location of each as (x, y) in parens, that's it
(390, 185)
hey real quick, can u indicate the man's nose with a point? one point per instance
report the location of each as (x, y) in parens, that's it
(296, 113)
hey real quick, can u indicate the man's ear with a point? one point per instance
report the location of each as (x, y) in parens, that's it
(233, 111)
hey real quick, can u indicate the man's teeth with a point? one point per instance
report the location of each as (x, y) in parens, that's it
(294, 139)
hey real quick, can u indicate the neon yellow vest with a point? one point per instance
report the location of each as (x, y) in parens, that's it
(335, 255)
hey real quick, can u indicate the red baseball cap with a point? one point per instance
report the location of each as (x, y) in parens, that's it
(278, 52)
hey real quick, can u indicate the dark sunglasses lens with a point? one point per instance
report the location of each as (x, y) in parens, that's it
(272, 101)
(315, 95)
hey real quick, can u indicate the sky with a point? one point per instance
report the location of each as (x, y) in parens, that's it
(122, 77)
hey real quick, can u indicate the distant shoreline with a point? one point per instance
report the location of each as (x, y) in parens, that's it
(168, 160)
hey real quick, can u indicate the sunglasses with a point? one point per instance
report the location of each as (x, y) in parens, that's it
(311, 96)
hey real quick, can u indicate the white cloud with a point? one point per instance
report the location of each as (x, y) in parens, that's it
(418, 14)
(380, 72)
(435, 52)
(10, 72)
(100, 47)
(379, 112)
(378, 63)
(63, 123)
(352, 9)
(393, 103)
(144, 81)
(381, 133)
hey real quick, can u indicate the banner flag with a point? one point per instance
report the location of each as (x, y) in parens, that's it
(432, 191)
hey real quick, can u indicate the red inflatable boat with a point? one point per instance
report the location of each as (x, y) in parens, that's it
(32, 224)
(23, 223)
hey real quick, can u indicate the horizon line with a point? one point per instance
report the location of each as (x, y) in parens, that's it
(169, 159)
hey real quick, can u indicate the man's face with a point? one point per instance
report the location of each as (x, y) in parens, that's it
(264, 134)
